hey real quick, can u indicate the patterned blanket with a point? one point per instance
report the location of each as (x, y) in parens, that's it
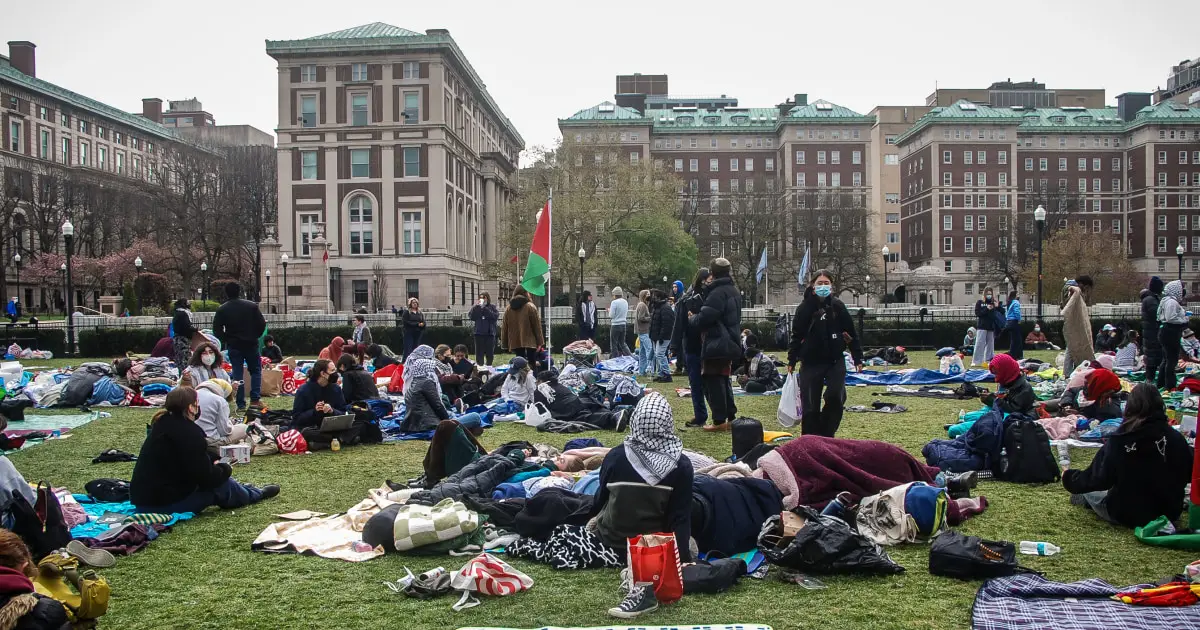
(1020, 602)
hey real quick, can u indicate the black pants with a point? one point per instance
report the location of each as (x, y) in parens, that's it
(754, 387)
(1154, 352)
(831, 377)
(485, 348)
(718, 390)
(1016, 343)
(1170, 337)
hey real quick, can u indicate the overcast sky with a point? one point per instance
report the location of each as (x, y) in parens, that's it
(546, 60)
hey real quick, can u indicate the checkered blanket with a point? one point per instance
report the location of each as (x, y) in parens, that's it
(1028, 601)
(419, 525)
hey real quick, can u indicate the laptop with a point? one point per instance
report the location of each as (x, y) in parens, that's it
(333, 424)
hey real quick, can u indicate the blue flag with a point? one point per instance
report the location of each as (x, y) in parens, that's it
(802, 277)
(762, 266)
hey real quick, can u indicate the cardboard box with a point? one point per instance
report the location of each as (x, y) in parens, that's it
(236, 454)
(792, 523)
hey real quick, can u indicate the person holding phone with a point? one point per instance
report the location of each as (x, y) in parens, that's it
(985, 328)
(485, 315)
(821, 330)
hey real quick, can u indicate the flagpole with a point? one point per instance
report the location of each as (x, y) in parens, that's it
(549, 269)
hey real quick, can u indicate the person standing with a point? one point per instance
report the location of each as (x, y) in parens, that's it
(641, 323)
(821, 331)
(414, 325)
(686, 343)
(239, 324)
(362, 332)
(13, 310)
(718, 321)
(985, 325)
(485, 315)
(1012, 323)
(182, 331)
(587, 317)
(521, 330)
(662, 320)
(1152, 347)
(1172, 319)
(618, 316)
(1077, 322)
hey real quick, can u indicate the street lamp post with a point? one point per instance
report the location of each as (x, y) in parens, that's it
(68, 231)
(375, 288)
(582, 254)
(204, 279)
(1179, 254)
(17, 262)
(283, 259)
(868, 291)
(63, 270)
(1039, 217)
(268, 274)
(137, 293)
(885, 251)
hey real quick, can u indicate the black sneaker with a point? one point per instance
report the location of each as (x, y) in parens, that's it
(696, 423)
(959, 486)
(623, 421)
(662, 379)
(639, 600)
(269, 491)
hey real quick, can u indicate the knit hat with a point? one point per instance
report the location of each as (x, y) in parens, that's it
(618, 292)
(1005, 368)
(1188, 333)
(1156, 285)
(1101, 384)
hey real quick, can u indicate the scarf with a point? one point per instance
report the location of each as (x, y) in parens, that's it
(652, 446)
(753, 371)
(420, 365)
(589, 313)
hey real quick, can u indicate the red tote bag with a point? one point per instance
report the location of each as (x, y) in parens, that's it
(654, 558)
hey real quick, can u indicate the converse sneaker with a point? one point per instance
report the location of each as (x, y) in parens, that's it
(623, 420)
(640, 600)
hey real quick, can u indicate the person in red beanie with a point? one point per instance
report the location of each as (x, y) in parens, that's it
(1100, 388)
(1014, 395)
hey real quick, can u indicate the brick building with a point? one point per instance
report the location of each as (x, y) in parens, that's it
(393, 158)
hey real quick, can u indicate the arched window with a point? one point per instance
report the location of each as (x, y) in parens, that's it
(362, 218)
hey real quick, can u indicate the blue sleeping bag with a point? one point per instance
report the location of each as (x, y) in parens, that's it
(977, 449)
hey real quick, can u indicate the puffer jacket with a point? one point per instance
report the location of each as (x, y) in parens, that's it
(1150, 300)
(977, 449)
(46, 614)
(477, 479)
(424, 409)
(719, 320)
(685, 339)
(765, 373)
(662, 321)
(819, 329)
(522, 326)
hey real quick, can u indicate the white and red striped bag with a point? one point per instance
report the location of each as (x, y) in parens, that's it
(291, 442)
(490, 575)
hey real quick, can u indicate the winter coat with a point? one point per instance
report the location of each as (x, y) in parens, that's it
(1170, 307)
(358, 385)
(1077, 327)
(238, 324)
(728, 514)
(273, 353)
(1105, 342)
(412, 320)
(641, 318)
(662, 321)
(1150, 302)
(304, 407)
(362, 335)
(765, 373)
(1144, 472)
(685, 339)
(424, 408)
(627, 506)
(1103, 411)
(817, 332)
(16, 593)
(476, 479)
(485, 317)
(1017, 397)
(522, 326)
(719, 320)
(173, 463)
(181, 324)
(560, 401)
(985, 319)
(977, 449)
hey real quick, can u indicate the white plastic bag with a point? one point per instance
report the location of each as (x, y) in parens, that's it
(789, 402)
(951, 364)
(536, 414)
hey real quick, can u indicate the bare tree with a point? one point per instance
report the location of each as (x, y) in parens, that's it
(379, 301)
(833, 223)
(1017, 243)
(250, 183)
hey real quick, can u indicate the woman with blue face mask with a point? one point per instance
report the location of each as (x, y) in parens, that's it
(821, 331)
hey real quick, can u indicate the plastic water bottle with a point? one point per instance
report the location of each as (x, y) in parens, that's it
(962, 415)
(1038, 548)
(1064, 454)
(335, 445)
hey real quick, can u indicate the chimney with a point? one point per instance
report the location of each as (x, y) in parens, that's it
(801, 100)
(152, 109)
(437, 31)
(1129, 103)
(21, 56)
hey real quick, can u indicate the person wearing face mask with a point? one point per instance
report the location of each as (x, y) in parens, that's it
(821, 331)
(357, 384)
(174, 472)
(318, 398)
(1012, 323)
(485, 315)
(985, 325)
(205, 364)
(1036, 339)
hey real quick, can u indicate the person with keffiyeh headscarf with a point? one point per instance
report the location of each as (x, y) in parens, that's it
(1173, 319)
(423, 404)
(646, 482)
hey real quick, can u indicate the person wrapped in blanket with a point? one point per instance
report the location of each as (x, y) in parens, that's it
(425, 405)
(1102, 387)
(565, 406)
(1015, 394)
(758, 373)
(1142, 469)
(519, 385)
(968, 342)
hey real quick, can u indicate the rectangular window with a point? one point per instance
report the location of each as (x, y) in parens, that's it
(892, 217)
(360, 163)
(981, 179)
(855, 157)
(1161, 242)
(714, 185)
(412, 111)
(308, 110)
(981, 222)
(981, 157)
(821, 180)
(947, 179)
(413, 288)
(358, 110)
(1062, 164)
(1162, 222)
(835, 157)
(1096, 205)
(120, 162)
(948, 222)
(362, 238)
(14, 136)
(969, 288)
(947, 157)
(733, 164)
(358, 72)
(800, 157)
(679, 166)
(307, 231)
(361, 295)
(1002, 157)
(749, 165)
(1043, 164)
(1082, 184)
(836, 180)
(800, 180)
(947, 244)
(769, 164)
(735, 185)
(946, 201)
(820, 157)
(411, 70)
(968, 179)
(308, 73)
(714, 164)
(968, 157)
(1095, 164)
(308, 165)
(412, 161)
(981, 244)
(890, 139)
(1183, 157)
(412, 232)
(1162, 157)
(969, 201)
(1029, 164)
(44, 144)
(968, 223)
(634, 158)
(1096, 185)
(968, 244)
(84, 154)
(857, 177)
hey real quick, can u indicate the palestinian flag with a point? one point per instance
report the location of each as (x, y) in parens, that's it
(537, 268)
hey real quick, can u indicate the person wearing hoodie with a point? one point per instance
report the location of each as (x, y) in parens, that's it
(1152, 347)
(485, 315)
(1012, 323)
(1107, 339)
(21, 607)
(821, 330)
(357, 384)
(641, 317)
(618, 318)
(1015, 394)
(182, 330)
(379, 358)
(1142, 469)
(968, 342)
(985, 324)
(1172, 319)
(587, 316)
(214, 396)
(718, 320)
(521, 330)
(662, 320)
(686, 342)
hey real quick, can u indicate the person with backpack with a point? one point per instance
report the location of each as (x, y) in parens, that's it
(686, 343)
(1152, 347)
(821, 331)
(1173, 320)
(718, 321)
(985, 325)
(1142, 469)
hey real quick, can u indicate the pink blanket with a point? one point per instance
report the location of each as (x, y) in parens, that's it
(811, 470)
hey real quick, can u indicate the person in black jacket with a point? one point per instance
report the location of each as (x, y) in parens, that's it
(986, 325)
(271, 350)
(182, 330)
(821, 331)
(718, 321)
(758, 373)
(238, 324)
(414, 325)
(1141, 471)
(21, 608)
(379, 359)
(485, 315)
(1150, 327)
(174, 472)
(586, 314)
(563, 404)
(357, 384)
(662, 321)
(685, 344)
(319, 397)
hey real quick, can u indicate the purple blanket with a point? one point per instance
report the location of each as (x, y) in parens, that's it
(1022, 602)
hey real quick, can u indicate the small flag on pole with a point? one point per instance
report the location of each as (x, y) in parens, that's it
(325, 258)
(513, 260)
(802, 277)
(537, 267)
(762, 266)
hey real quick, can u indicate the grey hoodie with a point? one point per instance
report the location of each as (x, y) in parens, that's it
(214, 411)
(1170, 308)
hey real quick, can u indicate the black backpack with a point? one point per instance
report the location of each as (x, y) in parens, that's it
(783, 331)
(972, 558)
(747, 433)
(1027, 458)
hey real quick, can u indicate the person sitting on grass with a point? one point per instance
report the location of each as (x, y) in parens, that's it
(357, 384)
(968, 342)
(271, 350)
(1036, 339)
(20, 606)
(1100, 387)
(1015, 394)
(174, 472)
(379, 358)
(519, 385)
(1142, 469)
(1127, 352)
(1189, 347)
(1107, 339)
(333, 350)
(451, 381)
(319, 397)
(206, 363)
(758, 373)
(215, 395)
(425, 406)
(564, 405)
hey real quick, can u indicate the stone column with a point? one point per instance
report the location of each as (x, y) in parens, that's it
(318, 276)
(488, 236)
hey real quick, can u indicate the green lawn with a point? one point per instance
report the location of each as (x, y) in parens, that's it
(203, 574)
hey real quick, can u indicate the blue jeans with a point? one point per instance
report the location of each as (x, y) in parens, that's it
(251, 360)
(645, 353)
(470, 420)
(662, 365)
(229, 495)
(697, 386)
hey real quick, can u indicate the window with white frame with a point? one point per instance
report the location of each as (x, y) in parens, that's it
(411, 70)
(1062, 164)
(769, 164)
(678, 165)
(358, 72)
(1003, 179)
(308, 165)
(857, 178)
(412, 232)
(412, 108)
(947, 222)
(749, 165)
(1029, 164)
(947, 244)
(981, 244)
(412, 161)
(968, 223)
(835, 157)
(714, 185)
(800, 157)
(981, 222)
(800, 180)
(969, 244)
(821, 179)
(359, 112)
(856, 157)
(308, 110)
(1162, 157)
(1002, 157)
(307, 231)
(360, 163)
(947, 179)
(308, 73)
(1043, 164)
(947, 201)
(714, 164)
(968, 157)
(820, 157)
(1096, 205)
(981, 157)
(733, 164)
(362, 239)
(1096, 185)
(947, 157)
(1162, 222)
(835, 180)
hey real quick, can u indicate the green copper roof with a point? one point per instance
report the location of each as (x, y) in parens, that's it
(1168, 112)
(684, 119)
(81, 102)
(824, 111)
(1066, 120)
(374, 29)
(606, 112)
(965, 111)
